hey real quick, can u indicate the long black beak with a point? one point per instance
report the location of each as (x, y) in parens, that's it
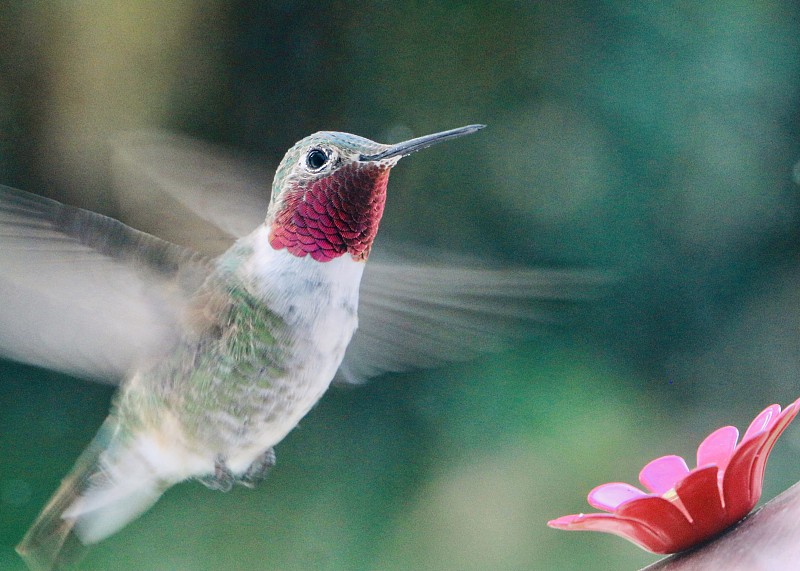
(413, 145)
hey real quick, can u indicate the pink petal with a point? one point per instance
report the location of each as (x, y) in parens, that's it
(757, 476)
(718, 447)
(609, 496)
(633, 531)
(743, 478)
(736, 482)
(699, 493)
(765, 419)
(662, 474)
(663, 518)
(566, 521)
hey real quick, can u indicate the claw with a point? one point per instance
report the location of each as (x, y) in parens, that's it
(258, 470)
(222, 479)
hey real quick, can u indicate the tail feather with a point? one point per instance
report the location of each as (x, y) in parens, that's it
(51, 542)
(110, 485)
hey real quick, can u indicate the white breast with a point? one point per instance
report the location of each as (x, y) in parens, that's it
(318, 301)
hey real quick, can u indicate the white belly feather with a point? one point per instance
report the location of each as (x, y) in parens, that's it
(318, 301)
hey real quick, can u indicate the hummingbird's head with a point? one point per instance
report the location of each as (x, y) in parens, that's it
(330, 189)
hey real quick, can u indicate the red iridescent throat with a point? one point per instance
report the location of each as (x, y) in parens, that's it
(334, 215)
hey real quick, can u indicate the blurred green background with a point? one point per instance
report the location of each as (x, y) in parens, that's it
(654, 139)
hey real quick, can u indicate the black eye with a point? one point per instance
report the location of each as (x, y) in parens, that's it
(316, 159)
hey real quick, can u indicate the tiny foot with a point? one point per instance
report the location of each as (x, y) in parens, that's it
(258, 470)
(222, 479)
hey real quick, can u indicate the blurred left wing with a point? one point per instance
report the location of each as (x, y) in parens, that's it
(415, 316)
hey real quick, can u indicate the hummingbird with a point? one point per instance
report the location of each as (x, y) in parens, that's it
(221, 357)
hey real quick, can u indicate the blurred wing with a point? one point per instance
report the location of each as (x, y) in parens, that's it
(83, 293)
(187, 191)
(417, 316)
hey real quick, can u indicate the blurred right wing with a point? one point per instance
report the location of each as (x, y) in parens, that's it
(188, 191)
